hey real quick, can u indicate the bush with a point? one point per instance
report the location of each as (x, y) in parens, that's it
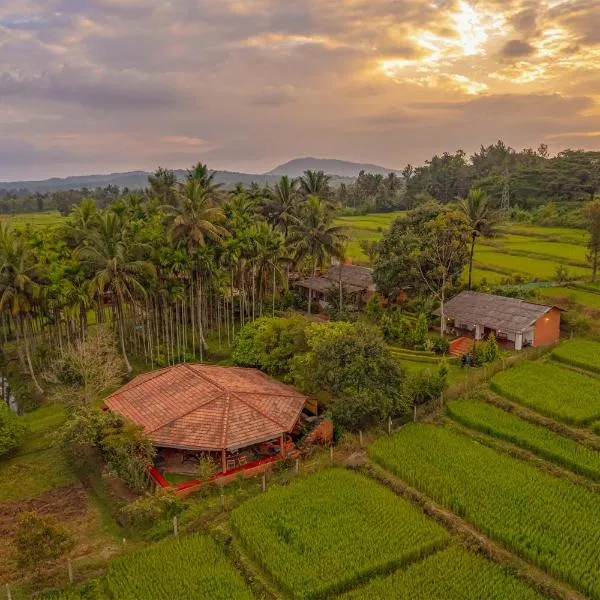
(420, 332)
(439, 344)
(12, 430)
(422, 387)
(40, 539)
(164, 504)
(123, 446)
(270, 343)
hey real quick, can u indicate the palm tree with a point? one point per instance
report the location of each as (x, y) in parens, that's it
(282, 204)
(82, 220)
(111, 256)
(18, 288)
(205, 178)
(196, 218)
(481, 217)
(314, 238)
(315, 183)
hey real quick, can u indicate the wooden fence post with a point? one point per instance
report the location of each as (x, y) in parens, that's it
(360, 437)
(297, 466)
(390, 426)
(8, 594)
(264, 482)
(414, 413)
(175, 528)
(70, 570)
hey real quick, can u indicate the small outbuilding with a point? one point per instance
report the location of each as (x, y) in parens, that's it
(515, 323)
(232, 415)
(357, 281)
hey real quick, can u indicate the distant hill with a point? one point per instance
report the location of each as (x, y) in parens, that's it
(332, 166)
(129, 179)
(341, 170)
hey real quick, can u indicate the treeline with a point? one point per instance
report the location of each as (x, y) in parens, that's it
(165, 268)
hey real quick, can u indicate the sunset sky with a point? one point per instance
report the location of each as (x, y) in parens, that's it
(92, 86)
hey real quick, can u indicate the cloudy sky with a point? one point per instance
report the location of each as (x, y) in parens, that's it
(91, 86)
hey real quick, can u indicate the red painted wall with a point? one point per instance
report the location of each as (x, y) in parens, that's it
(547, 329)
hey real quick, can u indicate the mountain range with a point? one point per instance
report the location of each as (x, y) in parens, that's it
(340, 170)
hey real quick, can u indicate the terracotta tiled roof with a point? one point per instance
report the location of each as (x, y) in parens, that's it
(206, 407)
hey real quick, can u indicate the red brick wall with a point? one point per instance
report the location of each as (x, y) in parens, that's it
(547, 329)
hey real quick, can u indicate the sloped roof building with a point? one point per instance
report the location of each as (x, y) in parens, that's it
(207, 407)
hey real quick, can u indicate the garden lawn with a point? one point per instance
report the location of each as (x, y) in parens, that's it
(540, 440)
(549, 521)
(326, 532)
(178, 569)
(578, 296)
(584, 354)
(452, 574)
(554, 391)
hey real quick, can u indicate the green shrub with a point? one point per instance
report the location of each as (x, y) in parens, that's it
(40, 539)
(12, 430)
(163, 504)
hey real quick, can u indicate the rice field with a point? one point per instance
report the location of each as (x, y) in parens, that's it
(35, 220)
(530, 268)
(546, 520)
(452, 574)
(328, 531)
(538, 439)
(551, 390)
(584, 354)
(548, 248)
(189, 567)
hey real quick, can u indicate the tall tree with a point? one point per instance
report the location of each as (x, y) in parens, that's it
(314, 239)
(19, 289)
(282, 204)
(592, 223)
(196, 218)
(162, 185)
(442, 255)
(481, 218)
(116, 266)
(316, 183)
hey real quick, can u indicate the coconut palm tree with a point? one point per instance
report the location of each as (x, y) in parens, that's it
(113, 260)
(162, 185)
(314, 239)
(481, 217)
(316, 183)
(196, 218)
(282, 204)
(205, 178)
(19, 289)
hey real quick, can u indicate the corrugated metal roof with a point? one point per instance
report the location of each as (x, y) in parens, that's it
(496, 312)
(207, 407)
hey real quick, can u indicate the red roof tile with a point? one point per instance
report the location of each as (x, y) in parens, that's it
(207, 407)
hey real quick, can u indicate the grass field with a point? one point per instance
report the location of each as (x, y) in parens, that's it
(189, 567)
(328, 531)
(452, 574)
(551, 390)
(549, 521)
(540, 440)
(584, 354)
(36, 220)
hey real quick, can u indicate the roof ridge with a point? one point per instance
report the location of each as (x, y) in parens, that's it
(205, 377)
(185, 414)
(225, 422)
